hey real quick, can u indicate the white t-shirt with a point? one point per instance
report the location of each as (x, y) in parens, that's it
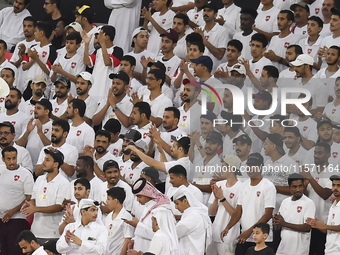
(326, 30)
(27, 107)
(80, 136)
(14, 186)
(311, 50)
(308, 129)
(171, 65)
(157, 105)
(181, 48)
(23, 158)
(254, 200)
(115, 148)
(332, 111)
(231, 15)
(91, 107)
(19, 121)
(94, 184)
(196, 17)
(301, 32)
(190, 120)
(328, 82)
(300, 156)
(160, 243)
(332, 246)
(165, 21)
(137, 56)
(45, 225)
(132, 175)
(134, 86)
(101, 161)
(228, 145)
(267, 20)
(246, 42)
(125, 106)
(329, 41)
(231, 194)
(70, 157)
(257, 143)
(315, 9)
(256, 69)
(59, 109)
(177, 3)
(295, 212)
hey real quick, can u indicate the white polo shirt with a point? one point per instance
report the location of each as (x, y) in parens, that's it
(231, 15)
(267, 20)
(70, 153)
(116, 148)
(118, 231)
(158, 104)
(100, 162)
(138, 55)
(80, 136)
(196, 17)
(190, 120)
(58, 109)
(94, 184)
(246, 42)
(295, 212)
(19, 120)
(308, 129)
(254, 200)
(125, 106)
(256, 68)
(45, 225)
(23, 158)
(332, 238)
(332, 111)
(301, 32)
(14, 186)
(231, 194)
(311, 50)
(132, 175)
(91, 107)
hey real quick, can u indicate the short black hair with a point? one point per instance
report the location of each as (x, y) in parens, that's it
(26, 2)
(177, 113)
(80, 105)
(88, 161)
(178, 170)
(74, 36)
(263, 226)
(295, 177)
(84, 182)
(3, 43)
(290, 14)
(335, 178)
(335, 48)
(193, 37)
(113, 125)
(143, 107)
(62, 123)
(272, 72)
(199, 44)
(250, 11)
(56, 2)
(45, 27)
(9, 69)
(18, 92)
(133, 43)
(297, 49)
(317, 20)
(236, 43)
(27, 236)
(103, 133)
(326, 146)
(159, 75)
(109, 31)
(32, 19)
(303, 95)
(260, 38)
(129, 59)
(117, 193)
(10, 125)
(183, 17)
(8, 149)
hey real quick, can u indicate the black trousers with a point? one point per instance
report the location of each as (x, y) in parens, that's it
(317, 242)
(9, 232)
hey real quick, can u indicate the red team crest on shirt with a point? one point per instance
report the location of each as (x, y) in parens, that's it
(304, 32)
(305, 128)
(16, 177)
(335, 154)
(2, 99)
(115, 152)
(145, 135)
(196, 16)
(73, 65)
(299, 209)
(267, 18)
(333, 215)
(231, 195)
(45, 131)
(256, 71)
(45, 188)
(287, 44)
(169, 68)
(206, 37)
(258, 193)
(333, 111)
(184, 118)
(44, 54)
(130, 176)
(31, 112)
(309, 51)
(317, 10)
(121, 168)
(317, 179)
(56, 110)
(110, 226)
(78, 132)
(13, 122)
(163, 21)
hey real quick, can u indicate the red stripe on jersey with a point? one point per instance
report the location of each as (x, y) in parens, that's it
(115, 61)
(176, 72)
(48, 63)
(26, 58)
(93, 58)
(293, 29)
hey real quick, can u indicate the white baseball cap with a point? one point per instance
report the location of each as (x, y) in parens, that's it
(238, 68)
(302, 59)
(76, 26)
(86, 76)
(86, 203)
(138, 30)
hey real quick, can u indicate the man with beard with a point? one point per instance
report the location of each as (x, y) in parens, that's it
(331, 72)
(60, 129)
(303, 68)
(49, 191)
(11, 22)
(291, 219)
(292, 52)
(332, 227)
(117, 105)
(292, 139)
(140, 116)
(301, 14)
(180, 25)
(38, 87)
(81, 134)
(112, 175)
(113, 126)
(242, 148)
(8, 75)
(191, 109)
(132, 171)
(16, 184)
(12, 114)
(7, 134)
(99, 152)
(327, 5)
(38, 131)
(319, 190)
(29, 244)
(59, 104)
(21, 48)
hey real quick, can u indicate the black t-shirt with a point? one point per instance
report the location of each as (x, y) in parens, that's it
(57, 41)
(265, 251)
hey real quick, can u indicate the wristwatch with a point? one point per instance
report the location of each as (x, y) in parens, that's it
(222, 200)
(115, 108)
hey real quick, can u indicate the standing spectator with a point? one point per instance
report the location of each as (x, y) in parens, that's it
(48, 194)
(195, 15)
(84, 16)
(229, 15)
(52, 8)
(327, 5)
(301, 14)
(292, 140)
(265, 22)
(129, 11)
(16, 184)
(11, 22)
(180, 25)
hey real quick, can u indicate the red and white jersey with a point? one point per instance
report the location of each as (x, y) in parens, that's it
(301, 32)
(315, 9)
(311, 50)
(58, 109)
(171, 65)
(196, 17)
(116, 148)
(267, 20)
(80, 136)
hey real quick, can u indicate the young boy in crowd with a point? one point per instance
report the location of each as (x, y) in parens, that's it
(128, 64)
(260, 234)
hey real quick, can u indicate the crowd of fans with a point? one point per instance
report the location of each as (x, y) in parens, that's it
(120, 139)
